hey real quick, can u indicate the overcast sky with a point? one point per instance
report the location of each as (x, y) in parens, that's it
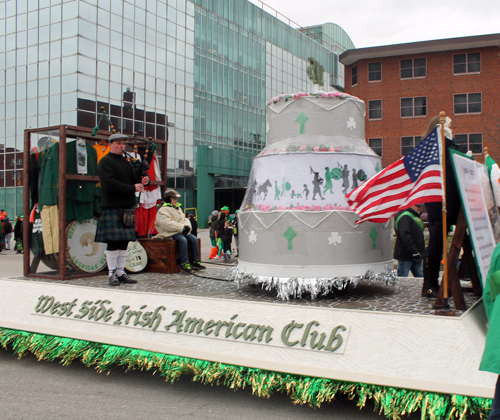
(372, 23)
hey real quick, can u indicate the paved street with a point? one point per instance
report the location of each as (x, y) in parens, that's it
(30, 389)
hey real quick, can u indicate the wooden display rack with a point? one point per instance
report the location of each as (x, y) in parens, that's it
(65, 132)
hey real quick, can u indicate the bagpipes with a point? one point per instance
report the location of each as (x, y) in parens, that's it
(140, 167)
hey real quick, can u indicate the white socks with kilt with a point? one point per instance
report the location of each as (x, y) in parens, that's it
(111, 257)
(120, 263)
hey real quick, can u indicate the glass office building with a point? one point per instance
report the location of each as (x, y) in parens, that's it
(200, 71)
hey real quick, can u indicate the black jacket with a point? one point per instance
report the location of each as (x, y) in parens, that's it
(117, 182)
(220, 226)
(409, 237)
(226, 235)
(18, 229)
(8, 227)
(194, 226)
(453, 203)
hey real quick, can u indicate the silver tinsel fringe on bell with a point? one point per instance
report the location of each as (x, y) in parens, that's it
(295, 287)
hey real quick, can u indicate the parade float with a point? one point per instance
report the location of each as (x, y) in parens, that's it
(380, 341)
(298, 234)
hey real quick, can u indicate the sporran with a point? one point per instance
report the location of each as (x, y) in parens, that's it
(129, 217)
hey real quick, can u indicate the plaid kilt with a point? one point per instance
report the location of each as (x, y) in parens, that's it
(111, 227)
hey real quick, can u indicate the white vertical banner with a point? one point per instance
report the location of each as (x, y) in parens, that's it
(481, 213)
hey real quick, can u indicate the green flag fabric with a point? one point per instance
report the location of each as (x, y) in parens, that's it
(491, 356)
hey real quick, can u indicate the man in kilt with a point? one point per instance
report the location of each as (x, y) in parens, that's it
(119, 185)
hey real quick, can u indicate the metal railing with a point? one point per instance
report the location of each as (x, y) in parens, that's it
(294, 24)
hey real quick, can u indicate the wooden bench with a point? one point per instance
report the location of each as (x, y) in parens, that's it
(163, 255)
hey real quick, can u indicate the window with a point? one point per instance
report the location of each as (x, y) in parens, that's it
(375, 110)
(376, 146)
(408, 143)
(467, 63)
(374, 72)
(413, 67)
(354, 76)
(473, 142)
(414, 107)
(467, 103)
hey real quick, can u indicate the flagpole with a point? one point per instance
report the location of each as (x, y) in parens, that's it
(446, 307)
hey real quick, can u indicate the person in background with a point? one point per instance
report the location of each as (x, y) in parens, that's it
(410, 242)
(7, 233)
(235, 233)
(214, 225)
(194, 224)
(225, 210)
(222, 223)
(434, 250)
(1, 234)
(18, 234)
(226, 238)
(171, 223)
(3, 214)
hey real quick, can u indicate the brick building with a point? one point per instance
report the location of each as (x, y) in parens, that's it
(405, 85)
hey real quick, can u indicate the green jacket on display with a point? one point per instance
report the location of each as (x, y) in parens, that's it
(80, 195)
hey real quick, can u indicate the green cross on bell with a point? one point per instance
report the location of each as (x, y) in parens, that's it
(373, 236)
(302, 119)
(289, 235)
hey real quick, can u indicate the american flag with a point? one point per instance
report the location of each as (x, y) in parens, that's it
(413, 179)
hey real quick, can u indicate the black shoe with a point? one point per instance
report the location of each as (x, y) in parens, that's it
(124, 278)
(113, 279)
(198, 266)
(186, 267)
(429, 293)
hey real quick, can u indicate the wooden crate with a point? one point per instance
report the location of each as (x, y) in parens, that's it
(163, 255)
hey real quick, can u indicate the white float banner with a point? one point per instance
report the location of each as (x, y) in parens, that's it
(480, 209)
(317, 180)
(439, 354)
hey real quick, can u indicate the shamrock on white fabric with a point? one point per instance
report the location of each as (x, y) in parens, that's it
(351, 123)
(334, 239)
(252, 238)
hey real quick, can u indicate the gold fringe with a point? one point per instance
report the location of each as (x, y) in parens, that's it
(392, 402)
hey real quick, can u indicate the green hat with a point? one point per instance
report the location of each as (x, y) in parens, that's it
(225, 208)
(236, 212)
